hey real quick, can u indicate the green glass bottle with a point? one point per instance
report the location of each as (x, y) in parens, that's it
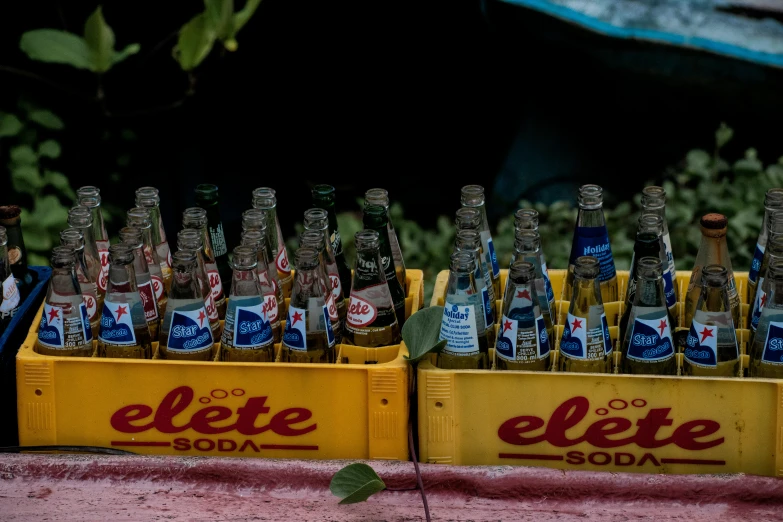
(207, 198)
(324, 197)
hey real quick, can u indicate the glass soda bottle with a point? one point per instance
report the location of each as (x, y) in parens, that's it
(647, 346)
(264, 198)
(766, 350)
(375, 219)
(379, 196)
(11, 219)
(80, 218)
(654, 202)
(208, 199)
(11, 298)
(308, 336)
(131, 236)
(473, 196)
(190, 240)
(74, 239)
(592, 239)
(469, 218)
(256, 239)
(314, 239)
(772, 249)
(324, 197)
(523, 341)
(773, 201)
(712, 251)
(90, 197)
(527, 247)
(141, 218)
(371, 321)
(147, 197)
(585, 345)
(124, 332)
(462, 324)
(196, 218)
(64, 329)
(258, 219)
(186, 334)
(247, 334)
(469, 240)
(711, 347)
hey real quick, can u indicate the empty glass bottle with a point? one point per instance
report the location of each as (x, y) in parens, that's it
(523, 341)
(711, 348)
(379, 196)
(148, 197)
(258, 219)
(315, 239)
(766, 350)
(308, 336)
(647, 346)
(654, 202)
(74, 239)
(131, 236)
(207, 198)
(64, 329)
(247, 335)
(585, 345)
(191, 240)
(473, 196)
(264, 198)
(470, 240)
(80, 218)
(324, 197)
(773, 201)
(462, 325)
(90, 197)
(196, 218)
(11, 219)
(527, 247)
(124, 332)
(11, 299)
(375, 219)
(141, 218)
(256, 239)
(371, 321)
(186, 334)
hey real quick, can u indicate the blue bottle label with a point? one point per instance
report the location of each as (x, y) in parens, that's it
(573, 343)
(488, 312)
(328, 324)
(55, 331)
(543, 337)
(506, 344)
(522, 345)
(86, 328)
(755, 265)
(594, 241)
(651, 340)
(607, 337)
(493, 258)
(189, 331)
(251, 327)
(50, 331)
(458, 327)
(759, 301)
(550, 294)
(668, 289)
(773, 345)
(116, 325)
(295, 334)
(702, 345)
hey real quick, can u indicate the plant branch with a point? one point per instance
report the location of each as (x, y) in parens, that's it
(412, 447)
(41, 79)
(158, 46)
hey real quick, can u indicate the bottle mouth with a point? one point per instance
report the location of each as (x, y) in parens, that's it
(377, 196)
(72, 237)
(10, 211)
(254, 218)
(714, 275)
(713, 221)
(526, 218)
(520, 269)
(184, 259)
(773, 198)
(79, 217)
(63, 256)
(649, 267)
(527, 239)
(120, 253)
(244, 258)
(467, 217)
(323, 191)
(587, 267)
(653, 197)
(306, 258)
(472, 195)
(463, 261)
(255, 237)
(651, 223)
(367, 239)
(264, 192)
(312, 238)
(590, 196)
(316, 218)
(131, 236)
(138, 217)
(194, 217)
(189, 238)
(264, 202)
(468, 239)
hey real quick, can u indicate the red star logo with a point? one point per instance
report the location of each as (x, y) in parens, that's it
(54, 313)
(523, 293)
(705, 333)
(297, 317)
(576, 324)
(201, 316)
(763, 301)
(121, 310)
(662, 326)
(506, 326)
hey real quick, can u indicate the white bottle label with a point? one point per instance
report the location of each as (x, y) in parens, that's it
(10, 297)
(458, 327)
(215, 283)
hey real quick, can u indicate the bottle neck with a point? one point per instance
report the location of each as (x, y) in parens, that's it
(244, 282)
(587, 292)
(713, 249)
(649, 292)
(368, 263)
(156, 226)
(5, 263)
(64, 282)
(13, 229)
(140, 262)
(658, 211)
(461, 283)
(309, 282)
(714, 299)
(184, 284)
(98, 225)
(90, 247)
(122, 279)
(593, 217)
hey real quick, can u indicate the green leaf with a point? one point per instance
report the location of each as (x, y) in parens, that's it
(46, 119)
(195, 41)
(421, 333)
(723, 135)
(9, 125)
(356, 482)
(49, 149)
(54, 46)
(26, 179)
(100, 40)
(23, 155)
(219, 14)
(129, 50)
(49, 212)
(60, 182)
(242, 16)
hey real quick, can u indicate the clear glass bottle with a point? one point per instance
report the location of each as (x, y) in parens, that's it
(186, 334)
(774, 235)
(473, 196)
(315, 239)
(80, 218)
(591, 238)
(379, 196)
(141, 218)
(247, 335)
(524, 337)
(654, 202)
(462, 325)
(469, 218)
(131, 236)
(74, 239)
(308, 336)
(766, 350)
(712, 251)
(585, 345)
(11, 296)
(148, 197)
(372, 321)
(64, 329)
(11, 219)
(90, 197)
(470, 240)
(191, 240)
(264, 198)
(711, 348)
(375, 219)
(527, 247)
(647, 346)
(324, 196)
(256, 239)
(257, 219)
(773, 201)
(196, 218)
(124, 332)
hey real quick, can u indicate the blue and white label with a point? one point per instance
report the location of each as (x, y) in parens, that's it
(86, 328)
(755, 265)
(328, 324)
(667, 247)
(651, 340)
(522, 298)
(701, 347)
(50, 331)
(594, 241)
(573, 343)
(607, 337)
(493, 258)
(668, 289)
(550, 294)
(295, 334)
(515, 344)
(251, 327)
(116, 324)
(773, 345)
(506, 343)
(757, 306)
(543, 337)
(458, 327)
(189, 331)
(488, 312)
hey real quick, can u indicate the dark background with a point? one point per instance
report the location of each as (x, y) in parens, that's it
(416, 97)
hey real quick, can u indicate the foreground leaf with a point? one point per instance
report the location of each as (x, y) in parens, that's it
(46, 119)
(53, 46)
(355, 483)
(421, 333)
(100, 40)
(195, 41)
(9, 125)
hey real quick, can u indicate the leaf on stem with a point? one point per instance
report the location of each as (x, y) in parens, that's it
(46, 119)
(100, 41)
(421, 332)
(195, 41)
(54, 46)
(355, 483)
(9, 125)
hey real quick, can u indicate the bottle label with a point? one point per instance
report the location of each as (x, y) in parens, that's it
(493, 258)
(215, 283)
(773, 345)
(702, 345)
(361, 313)
(543, 337)
(103, 277)
(594, 241)
(755, 265)
(218, 240)
(91, 305)
(668, 288)
(337, 243)
(331, 308)
(667, 247)
(157, 285)
(578, 342)
(337, 287)
(521, 345)
(86, 327)
(328, 324)
(651, 340)
(148, 301)
(458, 327)
(211, 307)
(270, 307)
(251, 327)
(189, 331)
(521, 299)
(11, 298)
(550, 294)
(759, 301)
(295, 334)
(56, 332)
(607, 337)
(281, 261)
(489, 316)
(116, 324)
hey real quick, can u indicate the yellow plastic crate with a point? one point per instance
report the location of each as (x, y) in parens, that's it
(355, 409)
(614, 422)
